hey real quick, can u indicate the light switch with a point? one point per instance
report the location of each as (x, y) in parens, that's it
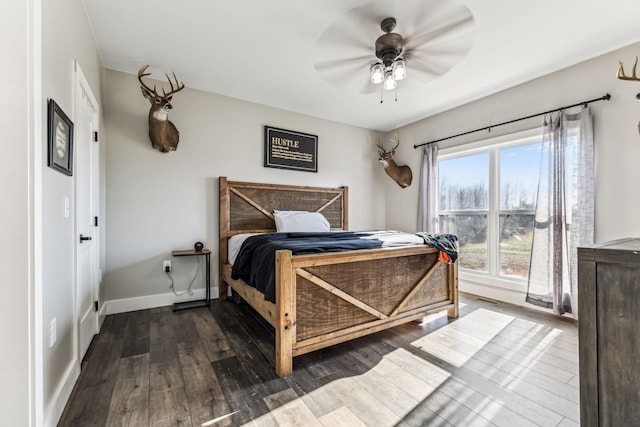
(53, 332)
(66, 207)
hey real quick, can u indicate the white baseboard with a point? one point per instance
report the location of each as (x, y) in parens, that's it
(54, 408)
(101, 315)
(499, 293)
(153, 301)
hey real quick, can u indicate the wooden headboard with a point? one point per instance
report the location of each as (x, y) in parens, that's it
(247, 207)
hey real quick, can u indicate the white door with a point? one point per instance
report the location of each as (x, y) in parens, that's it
(86, 180)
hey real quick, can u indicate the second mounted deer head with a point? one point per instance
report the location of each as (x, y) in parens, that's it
(400, 174)
(163, 134)
(632, 78)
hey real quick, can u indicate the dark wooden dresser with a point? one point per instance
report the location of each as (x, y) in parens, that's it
(609, 333)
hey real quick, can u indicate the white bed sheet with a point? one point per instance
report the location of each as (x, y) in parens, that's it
(234, 243)
(388, 238)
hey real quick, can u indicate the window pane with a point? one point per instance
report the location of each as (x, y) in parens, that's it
(519, 170)
(464, 183)
(516, 232)
(472, 239)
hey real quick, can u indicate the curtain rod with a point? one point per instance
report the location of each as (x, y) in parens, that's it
(585, 103)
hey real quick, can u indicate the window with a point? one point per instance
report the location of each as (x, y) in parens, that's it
(464, 206)
(487, 194)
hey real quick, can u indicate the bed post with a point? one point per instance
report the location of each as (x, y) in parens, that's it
(345, 208)
(285, 316)
(454, 311)
(223, 220)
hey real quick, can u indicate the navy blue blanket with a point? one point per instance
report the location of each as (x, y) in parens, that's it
(255, 263)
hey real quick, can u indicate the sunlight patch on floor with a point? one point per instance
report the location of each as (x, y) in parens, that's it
(383, 395)
(533, 355)
(475, 329)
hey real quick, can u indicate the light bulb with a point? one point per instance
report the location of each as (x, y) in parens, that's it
(399, 69)
(377, 73)
(389, 82)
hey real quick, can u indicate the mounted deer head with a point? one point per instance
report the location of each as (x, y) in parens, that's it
(632, 78)
(400, 174)
(163, 134)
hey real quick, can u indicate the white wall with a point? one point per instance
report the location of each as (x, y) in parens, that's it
(617, 143)
(17, 362)
(66, 36)
(160, 202)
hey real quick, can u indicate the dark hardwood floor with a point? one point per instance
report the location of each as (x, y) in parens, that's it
(495, 365)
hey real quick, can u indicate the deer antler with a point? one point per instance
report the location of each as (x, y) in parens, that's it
(396, 140)
(178, 88)
(633, 77)
(141, 74)
(381, 149)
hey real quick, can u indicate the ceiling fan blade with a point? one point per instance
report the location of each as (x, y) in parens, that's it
(344, 34)
(342, 59)
(453, 51)
(356, 63)
(440, 41)
(428, 64)
(359, 27)
(430, 15)
(453, 32)
(426, 71)
(353, 82)
(351, 74)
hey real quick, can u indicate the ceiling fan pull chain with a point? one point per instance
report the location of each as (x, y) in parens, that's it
(396, 93)
(381, 101)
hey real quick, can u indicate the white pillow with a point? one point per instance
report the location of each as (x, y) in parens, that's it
(292, 221)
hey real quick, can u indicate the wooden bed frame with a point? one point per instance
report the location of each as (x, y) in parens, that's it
(324, 299)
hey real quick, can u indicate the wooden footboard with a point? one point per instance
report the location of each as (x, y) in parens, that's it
(325, 299)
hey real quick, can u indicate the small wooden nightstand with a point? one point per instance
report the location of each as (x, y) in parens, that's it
(203, 302)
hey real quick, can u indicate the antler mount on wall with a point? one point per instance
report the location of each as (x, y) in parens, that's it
(163, 134)
(402, 175)
(621, 75)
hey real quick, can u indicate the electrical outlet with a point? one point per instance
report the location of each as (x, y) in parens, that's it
(166, 266)
(53, 332)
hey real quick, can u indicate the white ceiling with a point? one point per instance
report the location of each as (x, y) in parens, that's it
(265, 51)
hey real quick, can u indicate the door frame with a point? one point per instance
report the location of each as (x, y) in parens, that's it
(82, 88)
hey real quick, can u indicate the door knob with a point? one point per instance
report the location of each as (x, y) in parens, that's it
(82, 238)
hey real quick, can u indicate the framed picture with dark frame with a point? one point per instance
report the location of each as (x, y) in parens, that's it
(60, 136)
(286, 149)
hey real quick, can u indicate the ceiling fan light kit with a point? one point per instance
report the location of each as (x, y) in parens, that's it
(391, 67)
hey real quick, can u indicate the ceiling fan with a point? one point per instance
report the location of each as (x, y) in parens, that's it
(431, 37)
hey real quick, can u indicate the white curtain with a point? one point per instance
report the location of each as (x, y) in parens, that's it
(428, 190)
(564, 215)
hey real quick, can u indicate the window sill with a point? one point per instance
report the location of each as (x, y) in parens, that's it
(517, 285)
(496, 288)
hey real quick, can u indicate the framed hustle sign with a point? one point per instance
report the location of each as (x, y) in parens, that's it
(287, 149)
